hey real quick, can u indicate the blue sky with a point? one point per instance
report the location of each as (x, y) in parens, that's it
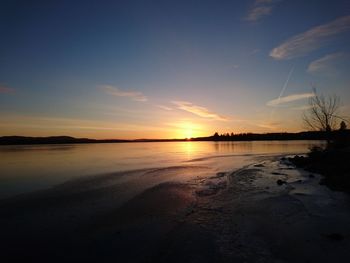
(164, 69)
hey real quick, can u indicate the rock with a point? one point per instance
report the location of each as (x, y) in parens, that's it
(259, 165)
(220, 174)
(280, 182)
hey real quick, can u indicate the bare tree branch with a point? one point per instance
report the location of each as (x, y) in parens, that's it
(323, 114)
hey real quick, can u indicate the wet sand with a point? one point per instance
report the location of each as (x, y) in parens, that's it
(240, 216)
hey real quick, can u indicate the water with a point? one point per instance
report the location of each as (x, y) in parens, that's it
(29, 168)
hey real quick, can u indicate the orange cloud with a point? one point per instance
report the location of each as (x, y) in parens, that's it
(198, 110)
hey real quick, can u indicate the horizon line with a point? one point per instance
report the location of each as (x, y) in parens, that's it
(202, 138)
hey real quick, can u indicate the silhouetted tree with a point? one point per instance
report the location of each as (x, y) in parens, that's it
(323, 114)
(216, 137)
(342, 126)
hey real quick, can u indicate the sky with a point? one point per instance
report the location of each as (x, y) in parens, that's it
(168, 69)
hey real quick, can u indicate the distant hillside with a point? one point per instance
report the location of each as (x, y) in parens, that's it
(17, 140)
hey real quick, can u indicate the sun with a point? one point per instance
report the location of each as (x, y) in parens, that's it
(188, 130)
(188, 133)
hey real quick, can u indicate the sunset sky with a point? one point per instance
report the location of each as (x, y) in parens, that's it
(168, 69)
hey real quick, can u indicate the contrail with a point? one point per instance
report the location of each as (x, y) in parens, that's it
(283, 90)
(286, 83)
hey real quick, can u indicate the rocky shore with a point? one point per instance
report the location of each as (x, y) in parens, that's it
(332, 163)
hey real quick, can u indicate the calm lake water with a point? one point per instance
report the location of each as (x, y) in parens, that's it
(29, 168)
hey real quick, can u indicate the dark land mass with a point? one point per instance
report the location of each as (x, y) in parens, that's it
(331, 161)
(333, 164)
(311, 135)
(24, 140)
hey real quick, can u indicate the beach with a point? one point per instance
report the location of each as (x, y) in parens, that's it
(265, 211)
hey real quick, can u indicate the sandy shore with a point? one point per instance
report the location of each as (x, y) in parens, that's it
(243, 216)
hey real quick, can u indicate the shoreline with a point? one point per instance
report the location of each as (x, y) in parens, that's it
(244, 216)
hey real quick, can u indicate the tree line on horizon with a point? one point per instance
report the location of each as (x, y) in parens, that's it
(306, 135)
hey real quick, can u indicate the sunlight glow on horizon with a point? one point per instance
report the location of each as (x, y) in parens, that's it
(188, 130)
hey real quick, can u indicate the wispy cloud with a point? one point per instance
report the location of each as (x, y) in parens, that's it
(269, 125)
(134, 95)
(163, 107)
(50, 123)
(325, 63)
(198, 110)
(258, 12)
(260, 9)
(290, 98)
(5, 89)
(310, 40)
(304, 107)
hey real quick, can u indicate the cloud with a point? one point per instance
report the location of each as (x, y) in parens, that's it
(260, 9)
(304, 107)
(53, 123)
(258, 12)
(5, 89)
(134, 95)
(164, 107)
(269, 125)
(325, 63)
(310, 40)
(293, 97)
(198, 110)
